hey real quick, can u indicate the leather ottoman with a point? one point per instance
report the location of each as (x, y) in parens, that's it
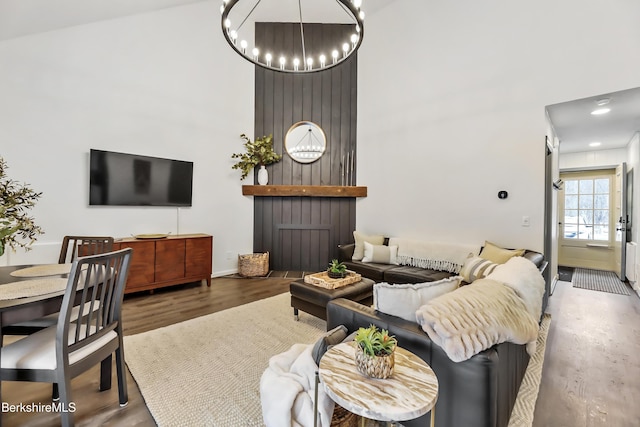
(314, 299)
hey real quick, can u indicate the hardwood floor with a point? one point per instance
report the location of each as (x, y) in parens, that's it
(591, 374)
(141, 312)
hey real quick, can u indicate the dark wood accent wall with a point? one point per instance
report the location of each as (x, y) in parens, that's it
(303, 233)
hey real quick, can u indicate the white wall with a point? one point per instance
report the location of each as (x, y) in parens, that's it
(452, 100)
(593, 159)
(451, 110)
(161, 84)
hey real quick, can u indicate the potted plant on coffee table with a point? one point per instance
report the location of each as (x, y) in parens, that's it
(336, 270)
(375, 350)
(260, 152)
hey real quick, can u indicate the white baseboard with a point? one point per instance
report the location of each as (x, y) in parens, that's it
(224, 273)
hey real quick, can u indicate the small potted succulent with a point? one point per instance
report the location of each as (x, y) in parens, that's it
(375, 350)
(336, 270)
(260, 152)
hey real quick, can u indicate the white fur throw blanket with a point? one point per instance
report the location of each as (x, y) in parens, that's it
(489, 311)
(287, 389)
(433, 255)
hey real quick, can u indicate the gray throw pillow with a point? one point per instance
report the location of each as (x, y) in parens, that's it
(332, 337)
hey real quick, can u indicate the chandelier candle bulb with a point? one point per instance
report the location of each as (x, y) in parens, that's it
(236, 20)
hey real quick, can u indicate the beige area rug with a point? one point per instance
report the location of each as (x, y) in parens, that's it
(206, 371)
(522, 414)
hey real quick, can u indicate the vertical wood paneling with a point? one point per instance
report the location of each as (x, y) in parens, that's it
(303, 233)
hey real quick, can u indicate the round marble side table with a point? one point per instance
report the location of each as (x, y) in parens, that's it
(410, 392)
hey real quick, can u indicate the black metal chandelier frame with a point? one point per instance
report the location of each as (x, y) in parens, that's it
(264, 58)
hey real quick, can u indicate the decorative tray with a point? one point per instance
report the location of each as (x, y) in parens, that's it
(323, 280)
(150, 236)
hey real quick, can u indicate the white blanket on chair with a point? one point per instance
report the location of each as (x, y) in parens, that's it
(287, 390)
(433, 255)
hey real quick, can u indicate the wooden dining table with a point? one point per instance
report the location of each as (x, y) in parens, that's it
(23, 309)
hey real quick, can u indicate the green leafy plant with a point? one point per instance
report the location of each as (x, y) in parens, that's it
(17, 228)
(260, 152)
(337, 267)
(375, 342)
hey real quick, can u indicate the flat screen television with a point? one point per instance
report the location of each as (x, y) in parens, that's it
(119, 179)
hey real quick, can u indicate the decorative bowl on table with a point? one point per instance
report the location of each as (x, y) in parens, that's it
(336, 269)
(336, 275)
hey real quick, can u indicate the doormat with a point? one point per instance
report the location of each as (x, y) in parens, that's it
(598, 280)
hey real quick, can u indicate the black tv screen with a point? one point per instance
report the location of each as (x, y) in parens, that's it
(119, 179)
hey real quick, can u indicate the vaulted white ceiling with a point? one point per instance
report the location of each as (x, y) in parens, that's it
(572, 120)
(576, 127)
(23, 17)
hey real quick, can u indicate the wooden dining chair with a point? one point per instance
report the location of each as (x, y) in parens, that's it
(72, 247)
(59, 353)
(75, 246)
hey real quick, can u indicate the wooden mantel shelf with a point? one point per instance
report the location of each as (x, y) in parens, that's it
(304, 191)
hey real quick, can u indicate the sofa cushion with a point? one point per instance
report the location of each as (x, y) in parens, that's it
(408, 274)
(403, 300)
(476, 268)
(535, 257)
(371, 270)
(499, 255)
(380, 254)
(360, 238)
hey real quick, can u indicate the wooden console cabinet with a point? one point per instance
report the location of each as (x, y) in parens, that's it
(172, 260)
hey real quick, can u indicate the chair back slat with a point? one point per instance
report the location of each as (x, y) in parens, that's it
(96, 288)
(79, 246)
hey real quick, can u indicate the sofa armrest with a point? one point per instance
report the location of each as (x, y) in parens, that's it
(345, 252)
(354, 315)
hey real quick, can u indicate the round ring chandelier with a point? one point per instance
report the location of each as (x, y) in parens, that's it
(308, 62)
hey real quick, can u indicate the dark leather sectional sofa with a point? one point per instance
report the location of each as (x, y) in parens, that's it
(479, 392)
(392, 273)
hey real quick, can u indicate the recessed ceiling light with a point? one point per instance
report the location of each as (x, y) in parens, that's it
(603, 101)
(595, 144)
(600, 111)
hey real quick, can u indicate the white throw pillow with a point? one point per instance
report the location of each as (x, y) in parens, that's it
(358, 251)
(380, 254)
(404, 300)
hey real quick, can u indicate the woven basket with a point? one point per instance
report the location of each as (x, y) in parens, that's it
(253, 265)
(374, 366)
(343, 418)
